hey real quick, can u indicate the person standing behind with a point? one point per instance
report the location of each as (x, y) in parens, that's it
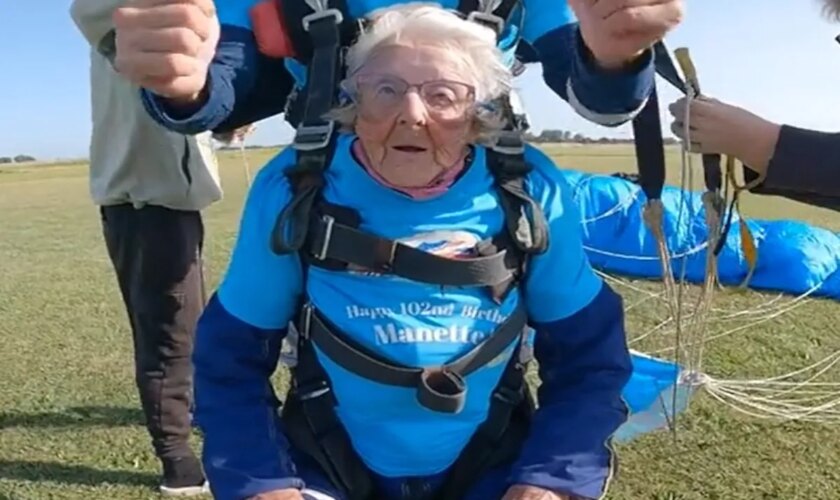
(151, 185)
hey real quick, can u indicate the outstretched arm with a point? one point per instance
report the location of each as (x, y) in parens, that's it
(604, 74)
(212, 76)
(584, 360)
(243, 86)
(237, 347)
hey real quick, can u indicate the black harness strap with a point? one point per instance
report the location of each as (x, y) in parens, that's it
(524, 218)
(313, 427)
(297, 14)
(650, 148)
(495, 20)
(331, 240)
(440, 389)
(315, 136)
(498, 439)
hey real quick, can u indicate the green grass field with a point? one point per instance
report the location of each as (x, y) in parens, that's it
(70, 425)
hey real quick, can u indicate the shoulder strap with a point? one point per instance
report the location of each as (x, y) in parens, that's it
(315, 136)
(524, 218)
(299, 15)
(491, 13)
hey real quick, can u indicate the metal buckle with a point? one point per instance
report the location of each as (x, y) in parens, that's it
(507, 396)
(325, 244)
(322, 14)
(305, 320)
(312, 137)
(312, 391)
(487, 19)
(509, 142)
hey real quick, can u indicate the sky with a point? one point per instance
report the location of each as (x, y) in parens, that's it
(774, 57)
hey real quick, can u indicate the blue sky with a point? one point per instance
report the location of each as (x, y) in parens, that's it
(775, 57)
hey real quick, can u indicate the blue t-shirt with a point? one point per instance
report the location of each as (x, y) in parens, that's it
(407, 322)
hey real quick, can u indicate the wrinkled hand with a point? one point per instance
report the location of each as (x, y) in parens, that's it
(717, 127)
(166, 45)
(619, 31)
(524, 492)
(287, 494)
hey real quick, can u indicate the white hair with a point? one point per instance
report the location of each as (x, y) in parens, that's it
(420, 24)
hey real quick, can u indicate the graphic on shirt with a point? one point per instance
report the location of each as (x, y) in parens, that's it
(451, 244)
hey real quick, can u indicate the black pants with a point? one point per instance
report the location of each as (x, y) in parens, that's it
(156, 253)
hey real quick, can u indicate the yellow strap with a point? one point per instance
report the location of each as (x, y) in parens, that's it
(747, 240)
(689, 71)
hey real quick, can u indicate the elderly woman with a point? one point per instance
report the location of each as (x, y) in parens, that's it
(406, 388)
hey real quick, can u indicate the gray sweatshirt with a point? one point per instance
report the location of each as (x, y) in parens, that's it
(132, 158)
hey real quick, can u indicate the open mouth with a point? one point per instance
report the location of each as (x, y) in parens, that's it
(409, 149)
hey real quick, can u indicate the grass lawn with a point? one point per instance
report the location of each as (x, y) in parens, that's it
(71, 428)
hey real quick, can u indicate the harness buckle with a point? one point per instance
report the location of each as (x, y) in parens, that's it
(326, 238)
(305, 320)
(507, 395)
(487, 19)
(311, 391)
(312, 137)
(308, 19)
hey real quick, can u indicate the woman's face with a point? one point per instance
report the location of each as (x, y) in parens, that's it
(414, 112)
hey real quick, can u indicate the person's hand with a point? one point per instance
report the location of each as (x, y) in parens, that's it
(287, 494)
(166, 46)
(717, 127)
(525, 492)
(617, 32)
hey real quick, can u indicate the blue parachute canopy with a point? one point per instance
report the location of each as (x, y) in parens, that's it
(793, 257)
(652, 395)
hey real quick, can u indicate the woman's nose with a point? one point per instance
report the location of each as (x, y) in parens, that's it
(413, 111)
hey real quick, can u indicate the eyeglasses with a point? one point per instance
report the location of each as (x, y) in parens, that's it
(381, 95)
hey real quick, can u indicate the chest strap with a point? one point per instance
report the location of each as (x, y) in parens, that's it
(331, 240)
(442, 388)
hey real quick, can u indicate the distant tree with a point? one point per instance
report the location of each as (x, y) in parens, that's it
(23, 158)
(5, 159)
(551, 135)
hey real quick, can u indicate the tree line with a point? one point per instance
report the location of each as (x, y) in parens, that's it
(553, 135)
(16, 159)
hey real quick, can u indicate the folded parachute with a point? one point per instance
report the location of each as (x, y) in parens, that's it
(793, 257)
